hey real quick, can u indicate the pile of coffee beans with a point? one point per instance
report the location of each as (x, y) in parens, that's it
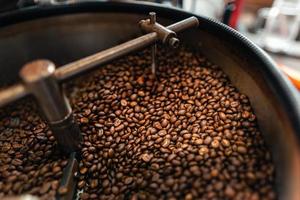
(29, 158)
(190, 134)
(186, 134)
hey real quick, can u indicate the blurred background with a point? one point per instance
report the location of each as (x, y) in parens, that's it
(274, 25)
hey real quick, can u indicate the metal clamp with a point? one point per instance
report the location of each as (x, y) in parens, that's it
(165, 34)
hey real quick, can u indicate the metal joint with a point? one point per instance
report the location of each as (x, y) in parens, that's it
(166, 35)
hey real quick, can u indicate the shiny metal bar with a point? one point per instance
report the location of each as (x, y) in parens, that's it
(184, 24)
(70, 70)
(153, 48)
(39, 78)
(153, 60)
(12, 93)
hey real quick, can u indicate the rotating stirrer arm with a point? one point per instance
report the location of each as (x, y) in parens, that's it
(41, 79)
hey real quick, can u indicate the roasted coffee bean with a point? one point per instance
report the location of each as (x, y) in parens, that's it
(146, 157)
(187, 134)
(225, 143)
(215, 144)
(32, 162)
(62, 190)
(242, 149)
(165, 143)
(128, 180)
(81, 184)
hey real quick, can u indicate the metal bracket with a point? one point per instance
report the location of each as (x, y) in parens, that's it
(166, 35)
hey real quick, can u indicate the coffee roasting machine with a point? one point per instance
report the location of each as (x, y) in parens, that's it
(105, 24)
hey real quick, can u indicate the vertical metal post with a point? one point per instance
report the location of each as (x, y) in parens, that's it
(154, 46)
(38, 77)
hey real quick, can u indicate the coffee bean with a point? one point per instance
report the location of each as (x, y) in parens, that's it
(120, 127)
(207, 140)
(215, 144)
(45, 188)
(195, 170)
(90, 157)
(84, 196)
(94, 183)
(123, 102)
(56, 169)
(188, 196)
(84, 120)
(214, 173)
(187, 136)
(80, 184)
(164, 123)
(83, 170)
(245, 114)
(222, 116)
(62, 190)
(165, 143)
(146, 157)
(162, 133)
(128, 180)
(117, 122)
(229, 192)
(225, 143)
(55, 185)
(115, 190)
(17, 162)
(157, 125)
(203, 151)
(110, 153)
(105, 183)
(198, 141)
(181, 112)
(242, 149)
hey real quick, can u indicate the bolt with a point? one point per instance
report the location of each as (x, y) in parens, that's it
(174, 42)
(152, 17)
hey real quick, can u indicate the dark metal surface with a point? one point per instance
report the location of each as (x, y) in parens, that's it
(74, 35)
(68, 182)
(67, 134)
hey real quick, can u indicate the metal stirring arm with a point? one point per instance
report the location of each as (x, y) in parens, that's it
(72, 69)
(41, 79)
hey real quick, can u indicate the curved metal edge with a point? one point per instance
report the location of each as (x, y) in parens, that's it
(285, 92)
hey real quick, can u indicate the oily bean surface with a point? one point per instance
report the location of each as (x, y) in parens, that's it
(30, 161)
(189, 134)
